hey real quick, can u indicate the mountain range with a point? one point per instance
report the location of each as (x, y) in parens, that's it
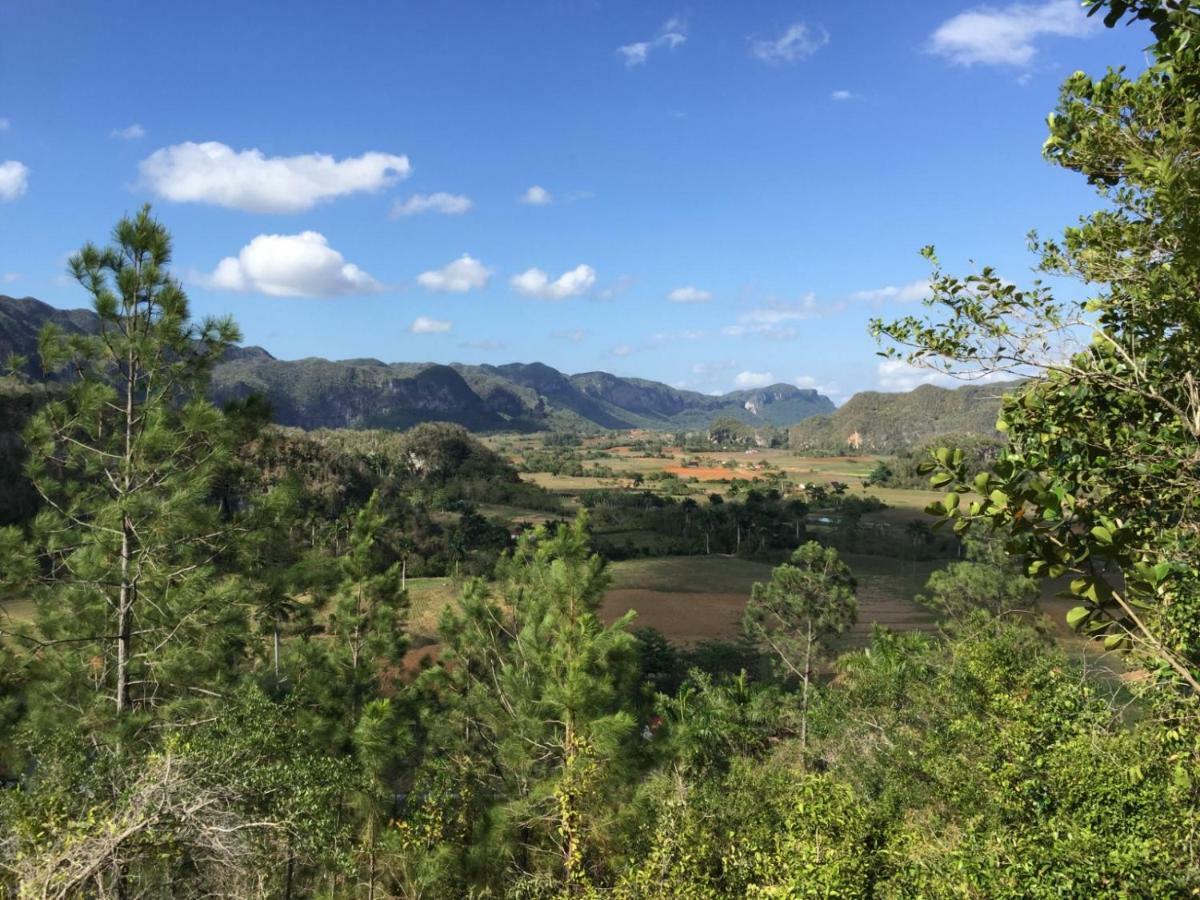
(369, 393)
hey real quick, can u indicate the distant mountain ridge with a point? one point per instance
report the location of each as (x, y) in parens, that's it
(368, 393)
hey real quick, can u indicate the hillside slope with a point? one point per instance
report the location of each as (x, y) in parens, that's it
(887, 423)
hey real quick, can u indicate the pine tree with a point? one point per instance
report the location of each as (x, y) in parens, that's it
(121, 559)
(809, 599)
(368, 616)
(544, 693)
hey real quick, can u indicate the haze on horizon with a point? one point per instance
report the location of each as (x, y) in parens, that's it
(710, 195)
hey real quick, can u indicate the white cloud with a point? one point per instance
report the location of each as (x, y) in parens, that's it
(807, 382)
(1005, 37)
(574, 336)
(617, 288)
(905, 293)
(426, 325)
(744, 380)
(897, 375)
(798, 42)
(5, 124)
(457, 277)
(484, 345)
(772, 321)
(689, 294)
(14, 180)
(10, 277)
(291, 265)
(663, 337)
(841, 95)
(447, 204)
(214, 173)
(536, 283)
(132, 132)
(536, 196)
(622, 350)
(709, 368)
(671, 35)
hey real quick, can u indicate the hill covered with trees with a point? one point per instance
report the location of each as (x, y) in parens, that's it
(886, 423)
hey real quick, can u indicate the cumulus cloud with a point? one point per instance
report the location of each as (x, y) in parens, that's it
(689, 294)
(441, 202)
(841, 95)
(1006, 37)
(291, 265)
(536, 283)
(745, 380)
(457, 277)
(536, 195)
(426, 325)
(622, 350)
(14, 180)
(671, 35)
(214, 173)
(132, 132)
(798, 42)
(905, 293)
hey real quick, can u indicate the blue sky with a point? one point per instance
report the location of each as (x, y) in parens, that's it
(711, 194)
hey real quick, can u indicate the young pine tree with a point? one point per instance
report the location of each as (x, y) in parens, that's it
(120, 560)
(543, 702)
(808, 600)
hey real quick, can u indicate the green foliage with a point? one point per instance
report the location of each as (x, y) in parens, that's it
(1099, 478)
(893, 423)
(809, 599)
(988, 579)
(997, 767)
(758, 831)
(908, 468)
(120, 562)
(544, 690)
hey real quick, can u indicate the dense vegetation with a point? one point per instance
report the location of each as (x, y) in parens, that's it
(893, 423)
(204, 681)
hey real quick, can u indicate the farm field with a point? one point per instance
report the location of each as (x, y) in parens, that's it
(692, 599)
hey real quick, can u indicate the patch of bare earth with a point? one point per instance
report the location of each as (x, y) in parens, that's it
(689, 617)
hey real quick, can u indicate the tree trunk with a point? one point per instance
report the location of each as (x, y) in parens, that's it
(804, 692)
(567, 809)
(128, 588)
(276, 643)
(124, 603)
